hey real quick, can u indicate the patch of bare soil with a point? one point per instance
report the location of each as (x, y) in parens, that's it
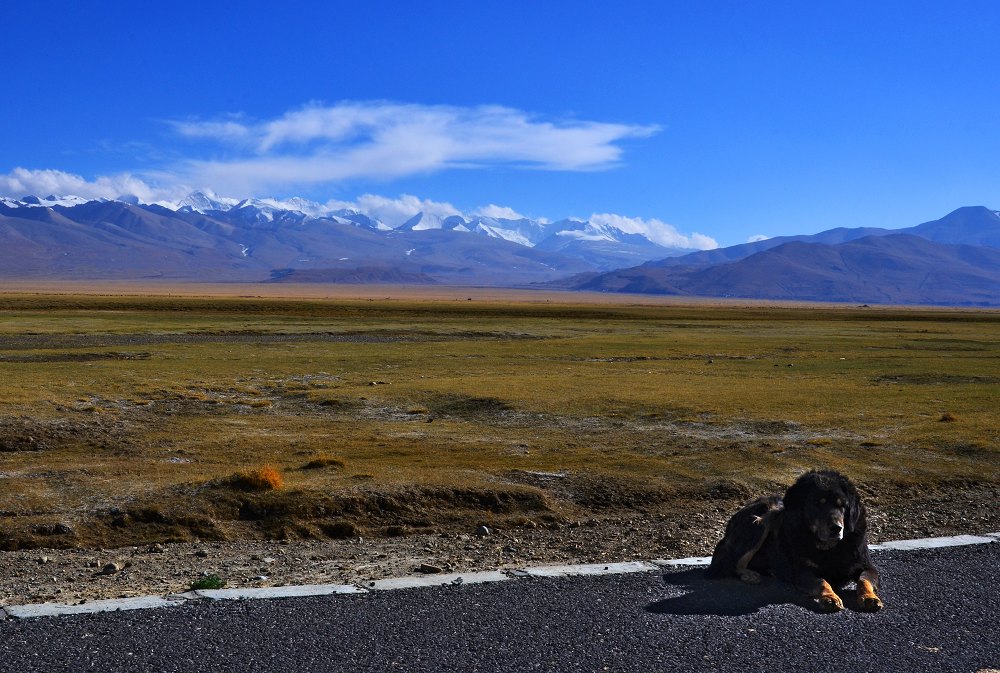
(617, 524)
(31, 434)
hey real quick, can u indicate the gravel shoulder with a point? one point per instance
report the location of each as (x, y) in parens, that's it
(75, 575)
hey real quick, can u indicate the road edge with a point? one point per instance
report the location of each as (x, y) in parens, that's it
(35, 610)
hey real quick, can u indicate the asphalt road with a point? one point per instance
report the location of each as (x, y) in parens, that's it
(941, 614)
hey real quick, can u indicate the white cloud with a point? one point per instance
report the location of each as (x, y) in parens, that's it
(498, 212)
(657, 231)
(396, 211)
(321, 144)
(23, 182)
(757, 237)
(228, 130)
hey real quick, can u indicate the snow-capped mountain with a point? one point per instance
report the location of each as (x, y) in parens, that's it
(202, 202)
(588, 239)
(44, 202)
(524, 231)
(207, 236)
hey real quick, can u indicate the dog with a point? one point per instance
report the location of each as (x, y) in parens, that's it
(813, 537)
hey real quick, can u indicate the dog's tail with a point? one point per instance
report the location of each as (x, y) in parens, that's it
(745, 534)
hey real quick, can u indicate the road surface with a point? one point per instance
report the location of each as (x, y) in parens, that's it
(941, 615)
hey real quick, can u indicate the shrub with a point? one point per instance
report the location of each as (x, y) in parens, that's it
(265, 478)
(323, 460)
(947, 417)
(208, 582)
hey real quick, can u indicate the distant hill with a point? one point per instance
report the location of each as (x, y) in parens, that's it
(952, 261)
(971, 225)
(205, 237)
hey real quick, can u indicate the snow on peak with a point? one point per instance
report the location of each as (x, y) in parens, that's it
(203, 201)
(423, 221)
(68, 201)
(494, 222)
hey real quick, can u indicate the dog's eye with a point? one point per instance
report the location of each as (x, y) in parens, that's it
(822, 501)
(840, 503)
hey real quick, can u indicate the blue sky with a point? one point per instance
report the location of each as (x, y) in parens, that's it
(726, 119)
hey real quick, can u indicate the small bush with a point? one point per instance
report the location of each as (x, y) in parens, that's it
(947, 417)
(208, 582)
(266, 478)
(323, 460)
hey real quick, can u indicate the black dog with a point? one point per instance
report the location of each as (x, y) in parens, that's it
(813, 537)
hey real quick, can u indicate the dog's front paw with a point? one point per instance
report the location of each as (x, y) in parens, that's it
(830, 603)
(871, 603)
(750, 576)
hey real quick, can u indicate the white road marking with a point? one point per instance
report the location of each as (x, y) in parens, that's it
(296, 591)
(935, 542)
(589, 569)
(436, 580)
(90, 607)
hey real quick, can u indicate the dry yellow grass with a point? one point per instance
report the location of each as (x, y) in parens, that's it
(112, 407)
(264, 478)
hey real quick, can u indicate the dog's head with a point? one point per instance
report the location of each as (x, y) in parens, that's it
(826, 504)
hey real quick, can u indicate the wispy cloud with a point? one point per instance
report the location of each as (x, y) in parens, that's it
(383, 140)
(656, 231)
(22, 182)
(756, 238)
(317, 145)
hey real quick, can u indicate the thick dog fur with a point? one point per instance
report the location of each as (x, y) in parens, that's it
(813, 537)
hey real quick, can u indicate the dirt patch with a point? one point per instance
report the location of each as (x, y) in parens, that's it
(31, 434)
(463, 406)
(220, 511)
(935, 379)
(73, 357)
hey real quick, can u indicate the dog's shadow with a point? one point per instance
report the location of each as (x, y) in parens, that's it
(730, 597)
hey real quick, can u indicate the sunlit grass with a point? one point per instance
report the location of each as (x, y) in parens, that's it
(468, 395)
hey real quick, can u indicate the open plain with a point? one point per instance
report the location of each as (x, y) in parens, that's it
(271, 435)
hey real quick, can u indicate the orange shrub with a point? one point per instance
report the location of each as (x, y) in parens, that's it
(265, 478)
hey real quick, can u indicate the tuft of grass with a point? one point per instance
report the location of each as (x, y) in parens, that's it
(264, 478)
(322, 460)
(947, 417)
(208, 582)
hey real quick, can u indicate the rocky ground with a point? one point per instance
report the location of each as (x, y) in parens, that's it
(75, 575)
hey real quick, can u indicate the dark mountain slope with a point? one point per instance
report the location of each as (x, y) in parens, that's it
(896, 269)
(971, 225)
(119, 240)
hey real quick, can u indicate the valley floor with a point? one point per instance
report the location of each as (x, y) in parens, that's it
(577, 428)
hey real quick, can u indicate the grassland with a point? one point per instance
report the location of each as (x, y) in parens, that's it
(130, 419)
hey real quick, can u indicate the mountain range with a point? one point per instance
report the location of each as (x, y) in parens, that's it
(205, 237)
(954, 260)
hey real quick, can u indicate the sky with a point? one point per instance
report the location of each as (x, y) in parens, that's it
(705, 122)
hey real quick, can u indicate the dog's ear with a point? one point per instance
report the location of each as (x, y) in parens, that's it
(797, 493)
(854, 509)
(853, 515)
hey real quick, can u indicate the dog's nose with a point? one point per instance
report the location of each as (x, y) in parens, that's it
(836, 529)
